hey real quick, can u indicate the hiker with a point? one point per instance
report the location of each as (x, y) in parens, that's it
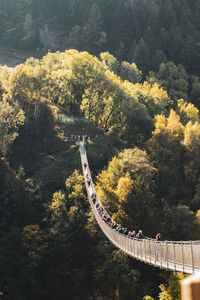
(93, 197)
(133, 234)
(125, 231)
(158, 236)
(140, 235)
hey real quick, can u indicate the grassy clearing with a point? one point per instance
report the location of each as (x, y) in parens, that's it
(81, 126)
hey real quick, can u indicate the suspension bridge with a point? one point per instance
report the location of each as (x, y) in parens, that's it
(181, 256)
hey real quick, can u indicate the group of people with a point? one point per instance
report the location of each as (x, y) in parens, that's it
(117, 227)
(108, 220)
(79, 138)
(87, 176)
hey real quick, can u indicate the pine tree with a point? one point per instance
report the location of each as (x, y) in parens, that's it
(142, 55)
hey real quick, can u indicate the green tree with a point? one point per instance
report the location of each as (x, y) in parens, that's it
(34, 244)
(169, 156)
(70, 254)
(142, 55)
(18, 209)
(178, 223)
(195, 90)
(172, 290)
(172, 78)
(191, 141)
(192, 168)
(11, 117)
(114, 277)
(130, 72)
(158, 58)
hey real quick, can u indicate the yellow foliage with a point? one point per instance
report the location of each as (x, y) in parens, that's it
(172, 291)
(31, 231)
(75, 185)
(153, 97)
(170, 125)
(124, 187)
(189, 110)
(192, 137)
(160, 124)
(34, 241)
(75, 178)
(198, 216)
(57, 201)
(174, 126)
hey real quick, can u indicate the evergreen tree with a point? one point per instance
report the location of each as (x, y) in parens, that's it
(142, 55)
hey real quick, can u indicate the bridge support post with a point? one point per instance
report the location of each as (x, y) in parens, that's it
(190, 288)
(182, 255)
(155, 253)
(150, 250)
(192, 258)
(174, 256)
(166, 254)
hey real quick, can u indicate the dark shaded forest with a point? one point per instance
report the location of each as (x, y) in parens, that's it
(127, 73)
(147, 32)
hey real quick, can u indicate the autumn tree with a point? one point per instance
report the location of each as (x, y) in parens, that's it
(172, 289)
(110, 62)
(27, 85)
(169, 155)
(153, 97)
(127, 188)
(11, 118)
(187, 111)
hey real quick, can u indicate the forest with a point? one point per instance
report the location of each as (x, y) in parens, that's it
(126, 72)
(147, 32)
(145, 159)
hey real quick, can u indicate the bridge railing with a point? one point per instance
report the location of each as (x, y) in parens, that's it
(183, 256)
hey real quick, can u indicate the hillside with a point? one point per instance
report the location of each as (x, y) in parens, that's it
(144, 158)
(127, 73)
(146, 32)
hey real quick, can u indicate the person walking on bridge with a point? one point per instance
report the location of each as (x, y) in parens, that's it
(140, 235)
(158, 236)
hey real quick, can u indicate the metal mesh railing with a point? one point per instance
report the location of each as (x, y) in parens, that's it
(180, 256)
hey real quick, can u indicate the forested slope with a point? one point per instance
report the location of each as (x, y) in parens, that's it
(147, 32)
(146, 158)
